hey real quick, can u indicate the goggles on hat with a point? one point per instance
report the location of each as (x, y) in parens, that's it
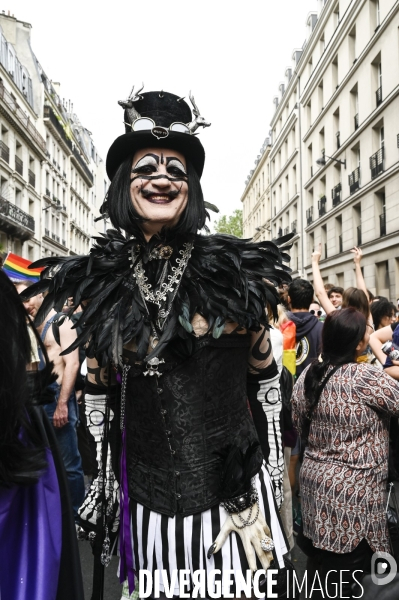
(316, 312)
(147, 124)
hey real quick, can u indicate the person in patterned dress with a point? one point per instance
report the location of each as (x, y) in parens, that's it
(343, 409)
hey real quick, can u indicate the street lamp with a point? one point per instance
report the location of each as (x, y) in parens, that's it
(322, 161)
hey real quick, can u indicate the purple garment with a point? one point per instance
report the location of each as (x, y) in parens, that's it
(30, 538)
(126, 568)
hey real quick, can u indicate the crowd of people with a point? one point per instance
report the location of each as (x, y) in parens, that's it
(217, 409)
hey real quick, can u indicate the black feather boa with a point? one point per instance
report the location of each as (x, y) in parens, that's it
(224, 280)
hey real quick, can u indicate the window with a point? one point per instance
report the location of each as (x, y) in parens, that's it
(382, 278)
(354, 106)
(324, 252)
(321, 142)
(334, 67)
(352, 45)
(322, 43)
(380, 213)
(321, 96)
(338, 234)
(336, 15)
(357, 225)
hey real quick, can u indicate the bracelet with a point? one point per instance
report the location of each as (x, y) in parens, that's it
(246, 522)
(240, 503)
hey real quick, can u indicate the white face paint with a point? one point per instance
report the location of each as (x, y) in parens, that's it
(159, 188)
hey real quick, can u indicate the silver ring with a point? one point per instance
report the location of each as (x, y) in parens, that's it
(267, 544)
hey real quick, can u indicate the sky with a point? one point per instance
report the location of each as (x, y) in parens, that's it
(231, 55)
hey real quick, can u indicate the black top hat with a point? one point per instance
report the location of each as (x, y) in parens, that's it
(165, 110)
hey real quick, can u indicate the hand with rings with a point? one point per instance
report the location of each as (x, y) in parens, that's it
(256, 537)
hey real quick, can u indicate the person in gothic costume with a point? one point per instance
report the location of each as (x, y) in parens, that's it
(178, 319)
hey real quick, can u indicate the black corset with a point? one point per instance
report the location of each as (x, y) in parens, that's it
(178, 424)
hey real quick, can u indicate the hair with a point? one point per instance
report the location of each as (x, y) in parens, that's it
(335, 290)
(371, 296)
(355, 298)
(342, 331)
(21, 458)
(124, 216)
(301, 293)
(328, 286)
(379, 310)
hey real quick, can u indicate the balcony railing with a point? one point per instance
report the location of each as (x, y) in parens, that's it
(22, 117)
(354, 180)
(47, 232)
(55, 237)
(383, 223)
(336, 194)
(63, 242)
(309, 215)
(356, 122)
(19, 165)
(377, 163)
(293, 226)
(32, 178)
(340, 244)
(322, 206)
(4, 152)
(378, 96)
(15, 217)
(359, 235)
(286, 230)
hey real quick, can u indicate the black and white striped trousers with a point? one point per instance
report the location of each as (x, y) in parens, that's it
(177, 543)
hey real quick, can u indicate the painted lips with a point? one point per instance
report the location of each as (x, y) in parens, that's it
(159, 198)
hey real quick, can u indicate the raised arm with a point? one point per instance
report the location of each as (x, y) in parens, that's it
(318, 283)
(377, 339)
(360, 283)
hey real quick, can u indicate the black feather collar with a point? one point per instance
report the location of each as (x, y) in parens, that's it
(224, 280)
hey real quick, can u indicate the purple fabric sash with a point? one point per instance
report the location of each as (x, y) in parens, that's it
(126, 568)
(30, 538)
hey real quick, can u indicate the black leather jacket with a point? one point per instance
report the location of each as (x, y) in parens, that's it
(177, 424)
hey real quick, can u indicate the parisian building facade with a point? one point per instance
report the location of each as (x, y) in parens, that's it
(334, 155)
(52, 180)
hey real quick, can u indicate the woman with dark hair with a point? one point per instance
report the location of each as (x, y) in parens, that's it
(356, 298)
(383, 313)
(180, 317)
(38, 551)
(342, 408)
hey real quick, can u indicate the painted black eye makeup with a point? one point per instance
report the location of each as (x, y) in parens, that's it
(149, 160)
(148, 165)
(175, 166)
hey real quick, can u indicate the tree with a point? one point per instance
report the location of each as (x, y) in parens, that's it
(231, 225)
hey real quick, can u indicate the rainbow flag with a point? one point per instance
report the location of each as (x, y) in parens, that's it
(16, 268)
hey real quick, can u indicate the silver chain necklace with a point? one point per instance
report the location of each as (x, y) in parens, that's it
(169, 285)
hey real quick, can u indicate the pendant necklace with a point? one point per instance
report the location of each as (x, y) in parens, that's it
(167, 286)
